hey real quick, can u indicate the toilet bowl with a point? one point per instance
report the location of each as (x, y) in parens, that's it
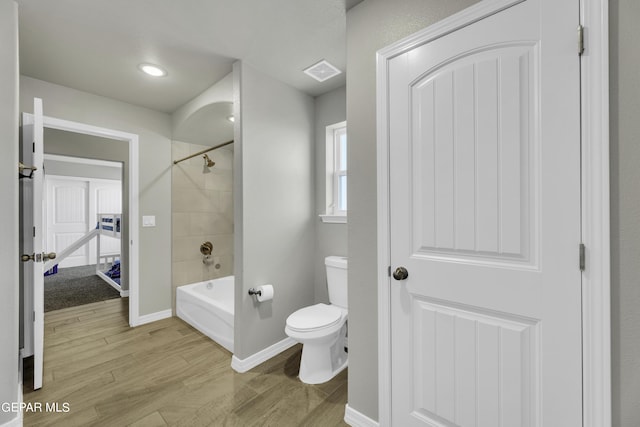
(322, 328)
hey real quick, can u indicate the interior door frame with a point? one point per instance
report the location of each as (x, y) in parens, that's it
(594, 66)
(133, 166)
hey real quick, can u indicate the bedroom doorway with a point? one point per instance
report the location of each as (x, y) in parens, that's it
(36, 259)
(78, 191)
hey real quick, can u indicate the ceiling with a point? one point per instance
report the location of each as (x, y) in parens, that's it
(96, 46)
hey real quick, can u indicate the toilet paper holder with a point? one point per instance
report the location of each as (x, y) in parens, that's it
(262, 293)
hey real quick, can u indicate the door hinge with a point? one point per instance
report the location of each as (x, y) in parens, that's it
(582, 257)
(580, 40)
(389, 271)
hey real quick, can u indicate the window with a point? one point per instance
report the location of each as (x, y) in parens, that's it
(336, 176)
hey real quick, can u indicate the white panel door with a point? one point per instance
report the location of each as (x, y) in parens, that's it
(484, 147)
(33, 239)
(72, 207)
(68, 217)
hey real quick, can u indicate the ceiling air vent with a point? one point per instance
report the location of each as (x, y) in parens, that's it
(322, 71)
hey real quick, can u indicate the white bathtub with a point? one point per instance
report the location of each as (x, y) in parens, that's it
(208, 306)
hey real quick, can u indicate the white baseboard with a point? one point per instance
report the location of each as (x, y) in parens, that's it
(243, 365)
(357, 419)
(124, 294)
(153, 317)
(16, 422)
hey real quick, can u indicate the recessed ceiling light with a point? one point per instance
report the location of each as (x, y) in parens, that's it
(322, 71)
(231, 119)
(152, 70)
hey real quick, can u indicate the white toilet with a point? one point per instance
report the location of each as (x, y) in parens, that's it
(322, 328)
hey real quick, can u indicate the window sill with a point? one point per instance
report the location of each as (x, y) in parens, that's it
(334, 219)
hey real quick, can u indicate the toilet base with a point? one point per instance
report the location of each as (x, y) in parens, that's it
(321, 362)
(312, 377)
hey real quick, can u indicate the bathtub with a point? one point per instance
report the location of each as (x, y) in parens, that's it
(208, 306)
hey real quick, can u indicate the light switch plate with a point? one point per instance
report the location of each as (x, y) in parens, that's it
(148, 220)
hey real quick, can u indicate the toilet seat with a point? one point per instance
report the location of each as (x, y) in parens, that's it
(313, 318)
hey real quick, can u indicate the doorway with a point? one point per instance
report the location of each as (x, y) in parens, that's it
(77, 192)
(102, 141)
(33, 127)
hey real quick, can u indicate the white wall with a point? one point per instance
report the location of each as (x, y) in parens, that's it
(154, 131)
(274, 205)
(9, 251)
(625, 210)
(221, 91)
(55, 167)
(70, 144)
(331, 239)
(371, 25)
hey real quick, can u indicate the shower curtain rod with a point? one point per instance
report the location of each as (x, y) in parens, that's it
(175, 162)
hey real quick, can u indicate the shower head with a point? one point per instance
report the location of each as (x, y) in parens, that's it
(207, 164)
(207, 161)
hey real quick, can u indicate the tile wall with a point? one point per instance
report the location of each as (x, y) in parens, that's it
(202, 210)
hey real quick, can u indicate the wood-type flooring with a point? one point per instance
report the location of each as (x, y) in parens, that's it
(104, 373)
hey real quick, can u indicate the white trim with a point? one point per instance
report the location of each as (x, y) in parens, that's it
(153, 317)
(82, 161)
(453, 23)
(335, 219)
(16, 422)
(596, 280)
(243, 365)
(595, 205)
(124, 294)
(384, 253)
(83, 178)
(132, 223)
(339, 170)
(331, 183)
(357, 419)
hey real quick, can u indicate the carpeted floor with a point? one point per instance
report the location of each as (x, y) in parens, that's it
(75, 286)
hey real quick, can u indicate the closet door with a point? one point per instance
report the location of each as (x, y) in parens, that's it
(68, 217)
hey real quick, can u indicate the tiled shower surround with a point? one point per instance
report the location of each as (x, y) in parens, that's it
(202, 210)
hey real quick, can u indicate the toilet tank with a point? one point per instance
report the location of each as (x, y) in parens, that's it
(337, 280)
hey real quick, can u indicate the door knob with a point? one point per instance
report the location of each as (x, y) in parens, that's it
(37, 258)
(400, 273)
(50, 255)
